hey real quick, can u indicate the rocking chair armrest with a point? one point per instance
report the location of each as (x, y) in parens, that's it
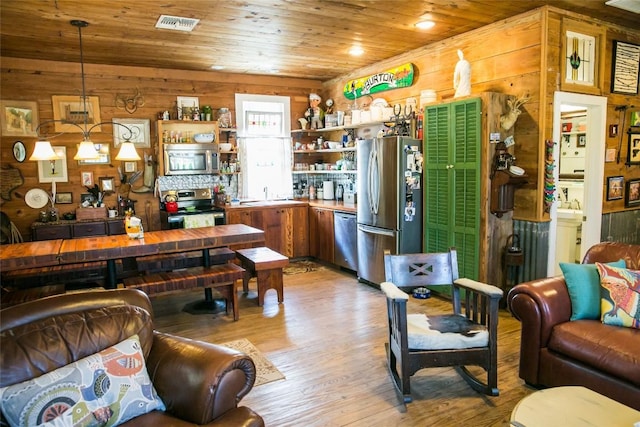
(479, 287)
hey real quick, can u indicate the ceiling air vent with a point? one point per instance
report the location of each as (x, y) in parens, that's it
(168, 22)
(630, 5)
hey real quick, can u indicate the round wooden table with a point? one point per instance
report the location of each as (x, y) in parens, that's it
(571, 406)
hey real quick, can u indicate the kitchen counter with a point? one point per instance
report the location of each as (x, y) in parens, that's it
(325, 204)
(332, 204)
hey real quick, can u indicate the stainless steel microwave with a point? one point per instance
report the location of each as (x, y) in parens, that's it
(191, 159)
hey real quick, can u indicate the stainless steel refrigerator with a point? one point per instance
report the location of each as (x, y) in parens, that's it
(389, 202)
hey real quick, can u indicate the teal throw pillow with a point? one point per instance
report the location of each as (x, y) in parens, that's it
(583, 284)
(106, 388)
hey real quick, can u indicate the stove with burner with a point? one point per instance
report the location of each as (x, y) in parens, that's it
(176, 205)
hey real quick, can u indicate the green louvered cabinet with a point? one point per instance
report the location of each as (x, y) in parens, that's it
(456, 181)
(452, 143)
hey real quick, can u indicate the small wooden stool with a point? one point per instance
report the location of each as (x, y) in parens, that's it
(266, 265)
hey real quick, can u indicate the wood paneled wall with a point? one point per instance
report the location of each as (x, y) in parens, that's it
(29, 80)
(517, 56)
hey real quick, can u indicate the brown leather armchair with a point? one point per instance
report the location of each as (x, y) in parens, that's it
(199, 383)
(555, 351)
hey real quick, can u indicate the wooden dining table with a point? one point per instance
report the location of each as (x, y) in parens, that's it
(119, 247)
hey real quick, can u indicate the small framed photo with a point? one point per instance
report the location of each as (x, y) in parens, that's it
(18, 118)
(133, 130)
(582, 140)
(186, 104)
(64, 198)
(107, 183)
(19, 151)
(130, 167)
(86, 178)
(610, 155)
(633, 152)
(632, 195)
(635, 118)
(54, 170)
(614, 187)
(87, 197)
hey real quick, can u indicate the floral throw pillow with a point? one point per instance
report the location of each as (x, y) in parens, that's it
(106, 388)
(620, 296)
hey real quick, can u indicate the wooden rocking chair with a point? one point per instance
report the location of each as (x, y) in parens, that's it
(468, 337)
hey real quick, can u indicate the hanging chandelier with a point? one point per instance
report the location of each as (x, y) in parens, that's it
(86, 149)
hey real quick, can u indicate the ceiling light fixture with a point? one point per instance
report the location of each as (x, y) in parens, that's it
(86, 149)
(425, 25)
(356, 50)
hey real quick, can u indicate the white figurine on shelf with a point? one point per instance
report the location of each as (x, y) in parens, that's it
(462, 77)
(315, 113)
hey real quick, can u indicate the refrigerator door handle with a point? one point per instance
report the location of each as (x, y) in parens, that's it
(374, 180)
(374, 230)
(372, 203)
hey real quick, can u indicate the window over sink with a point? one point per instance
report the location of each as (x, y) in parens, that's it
(264, 142)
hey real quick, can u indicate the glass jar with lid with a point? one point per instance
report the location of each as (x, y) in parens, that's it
(224, 118)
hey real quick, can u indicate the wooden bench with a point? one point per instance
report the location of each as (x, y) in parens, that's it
(168, 262)
(265, 264)
(221, 277)
(85, 273)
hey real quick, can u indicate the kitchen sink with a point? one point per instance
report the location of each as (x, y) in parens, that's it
(267, 203)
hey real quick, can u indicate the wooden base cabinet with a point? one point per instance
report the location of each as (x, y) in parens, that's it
(321, 234)
(286, 229)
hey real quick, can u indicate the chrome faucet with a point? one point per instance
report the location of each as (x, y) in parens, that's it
(266, 193)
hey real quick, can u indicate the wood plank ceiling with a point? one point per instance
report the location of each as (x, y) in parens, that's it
(298, 38)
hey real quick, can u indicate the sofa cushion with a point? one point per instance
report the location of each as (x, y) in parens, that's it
(606, 348)
(111, 386)
(583, 284)
(620, 291)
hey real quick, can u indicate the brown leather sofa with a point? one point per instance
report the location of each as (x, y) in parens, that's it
(199, 383)
(555, 351)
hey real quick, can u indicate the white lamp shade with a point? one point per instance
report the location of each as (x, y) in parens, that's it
(43, 151)
(127, 152)
(86, 151)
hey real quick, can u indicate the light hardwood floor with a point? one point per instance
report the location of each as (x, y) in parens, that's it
(328, 339)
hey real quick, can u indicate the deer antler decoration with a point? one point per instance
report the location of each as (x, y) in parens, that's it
(508, 120)
(130, 103)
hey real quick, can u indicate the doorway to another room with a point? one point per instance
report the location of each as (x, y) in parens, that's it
(579, 123)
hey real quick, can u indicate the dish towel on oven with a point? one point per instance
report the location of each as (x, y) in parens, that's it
(199, 220)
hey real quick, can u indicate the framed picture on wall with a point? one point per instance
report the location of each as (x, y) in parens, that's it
(186, 105)
(86, 179)
(139, 134)
(614, 187)
(582, 65)
(64, 198)
(18, 118)
(54, 170)
(69, 111)
(633, 151)
(632, 195)
(625, 67)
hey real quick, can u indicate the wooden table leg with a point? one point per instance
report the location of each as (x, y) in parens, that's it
(111, 279)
